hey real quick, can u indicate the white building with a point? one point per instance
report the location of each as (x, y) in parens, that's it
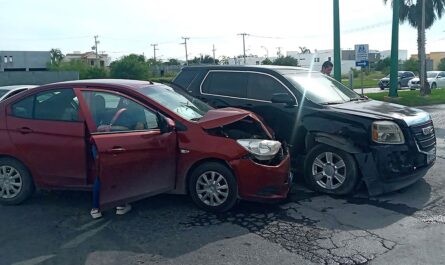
(250, 60)
(403, 54)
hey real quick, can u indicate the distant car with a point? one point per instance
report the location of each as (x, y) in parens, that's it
(436, 79)
(403, 79)
(9, 91)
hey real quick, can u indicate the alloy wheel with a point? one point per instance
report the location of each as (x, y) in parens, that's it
(212, 188)
(10, 182)
(329, 170)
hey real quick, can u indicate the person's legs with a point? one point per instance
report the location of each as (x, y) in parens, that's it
(95, 211)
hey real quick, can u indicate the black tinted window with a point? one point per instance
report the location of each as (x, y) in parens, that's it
(263, 87)
(23, 108)
(232, 84)
(59, 105)
(185, 78)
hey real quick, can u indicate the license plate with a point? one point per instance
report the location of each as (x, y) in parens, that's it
(431, 156)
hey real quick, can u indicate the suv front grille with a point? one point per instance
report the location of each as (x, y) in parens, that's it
(425, 140)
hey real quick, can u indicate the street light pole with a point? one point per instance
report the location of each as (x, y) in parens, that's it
(337, 55)
(267, 51)
(393, 77)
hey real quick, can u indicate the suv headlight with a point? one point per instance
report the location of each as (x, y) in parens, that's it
(387, 132)
(261, 149)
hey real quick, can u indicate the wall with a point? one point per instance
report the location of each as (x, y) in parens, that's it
(24, 60)
(36, 78)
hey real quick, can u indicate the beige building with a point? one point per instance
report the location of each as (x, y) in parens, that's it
(101, 60)
(434, 56)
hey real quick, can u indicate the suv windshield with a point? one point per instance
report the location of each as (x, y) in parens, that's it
(187, 107)
(320, 89)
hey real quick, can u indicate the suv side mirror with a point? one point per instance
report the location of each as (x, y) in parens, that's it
(283, 98)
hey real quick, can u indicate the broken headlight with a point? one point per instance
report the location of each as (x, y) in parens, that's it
(261, 149)
(387, 132)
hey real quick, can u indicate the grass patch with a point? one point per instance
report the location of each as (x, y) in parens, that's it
(412, 98)
(367, 83)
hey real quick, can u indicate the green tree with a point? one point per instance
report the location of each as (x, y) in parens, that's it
(441, 66)
(288, 61)
(411, 11)
(132, 66)
(267, 61)
(56, 56)
(411, 65)
(85, 70)
(383, 65)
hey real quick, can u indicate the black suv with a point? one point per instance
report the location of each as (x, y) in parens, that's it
(341, 137)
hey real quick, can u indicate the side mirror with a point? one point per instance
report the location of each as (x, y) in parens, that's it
(165, 124)
(283, 98)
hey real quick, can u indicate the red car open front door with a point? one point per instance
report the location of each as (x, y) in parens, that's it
(135, 165)
(136, 160)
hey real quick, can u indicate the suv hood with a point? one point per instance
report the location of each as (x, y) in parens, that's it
(384, 110)
(220, 117)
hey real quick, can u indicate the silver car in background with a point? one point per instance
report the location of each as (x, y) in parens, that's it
(436, 79)
(9, 91)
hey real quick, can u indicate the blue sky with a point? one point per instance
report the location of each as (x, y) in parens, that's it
(131, 26)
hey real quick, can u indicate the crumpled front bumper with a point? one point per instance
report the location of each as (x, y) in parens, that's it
(258, 182)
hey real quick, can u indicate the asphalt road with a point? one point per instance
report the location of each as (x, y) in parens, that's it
(404, 227)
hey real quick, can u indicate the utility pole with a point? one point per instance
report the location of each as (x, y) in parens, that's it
(96, 41)
(214, 58)
(154, 51)
(279, 51)
(244, 45)
(186, 54)
(337, 51)
(393, 77)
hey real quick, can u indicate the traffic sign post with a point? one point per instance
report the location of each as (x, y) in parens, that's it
(362, 58)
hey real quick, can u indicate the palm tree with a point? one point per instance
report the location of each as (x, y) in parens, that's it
(304, 50)
(411, 11)
(56, 56)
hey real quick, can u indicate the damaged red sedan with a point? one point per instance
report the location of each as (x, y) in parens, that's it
(150, 139)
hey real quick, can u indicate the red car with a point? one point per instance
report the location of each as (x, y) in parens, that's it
(150, 139)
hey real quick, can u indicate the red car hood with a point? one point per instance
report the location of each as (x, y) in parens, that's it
(220, 117)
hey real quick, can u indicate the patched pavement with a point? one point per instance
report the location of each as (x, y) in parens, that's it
(403, 227)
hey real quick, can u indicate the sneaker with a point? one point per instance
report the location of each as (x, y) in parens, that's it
(95, 213)
(120, 210)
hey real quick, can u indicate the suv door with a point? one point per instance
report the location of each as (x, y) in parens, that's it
(441, 80)
(48, 132)
(280, 117)
(224, 88)
(135, 159)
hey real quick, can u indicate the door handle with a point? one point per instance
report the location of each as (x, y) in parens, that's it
(25, 130)
(116, 149)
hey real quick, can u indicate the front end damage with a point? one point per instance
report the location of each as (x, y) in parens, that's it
(263, 174)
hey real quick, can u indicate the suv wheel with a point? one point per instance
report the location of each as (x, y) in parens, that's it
(213, 187)
(433, 86)
(330, 170)
(16, 184)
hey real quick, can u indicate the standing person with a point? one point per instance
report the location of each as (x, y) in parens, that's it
(326, 68)
(95, 211)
